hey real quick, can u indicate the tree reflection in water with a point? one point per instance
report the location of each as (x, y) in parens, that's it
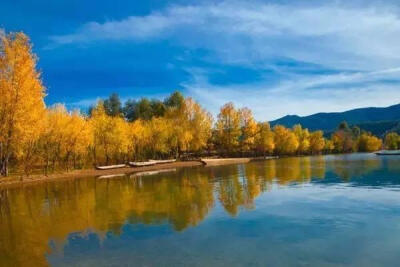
(32, 217)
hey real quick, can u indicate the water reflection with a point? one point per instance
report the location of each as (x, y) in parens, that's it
(38, 220)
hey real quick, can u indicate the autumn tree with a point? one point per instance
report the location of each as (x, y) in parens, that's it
(160, 138)
(303, 136)
(392, 141)
(79, 138)
(53, 137)
(343, 140)
(110, 136)
(138, 140)
(67, 137)
(265, 139)
(286, 142)
(329, 146)
(200, 123)
(249, 129)
(317, 142)
(228, 127)
(21, 102)
(368, 143)
(191, 126)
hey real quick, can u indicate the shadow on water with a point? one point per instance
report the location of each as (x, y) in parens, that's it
(57, 219)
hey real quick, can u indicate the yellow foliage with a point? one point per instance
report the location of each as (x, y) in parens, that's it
(369, 143)
(228, 127)
(265, 138)
(191, 126)
(21, 102)
(67, 136)
(329, 146)
(317, 142)
(249, 129)
(138, 139)
(392, 141)
(110, 136)
(286, 142)
(160, 136)
(303, 136)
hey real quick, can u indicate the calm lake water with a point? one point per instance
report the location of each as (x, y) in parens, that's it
(315, 211)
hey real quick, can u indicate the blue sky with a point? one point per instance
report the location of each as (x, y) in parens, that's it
(276, 57)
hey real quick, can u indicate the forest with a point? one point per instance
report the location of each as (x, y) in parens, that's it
(33, 135)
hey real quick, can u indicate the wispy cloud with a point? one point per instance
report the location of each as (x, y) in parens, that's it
(302, 95)
(359, 42)
(333, 35)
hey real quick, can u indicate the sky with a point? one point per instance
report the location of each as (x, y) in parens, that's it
(275, 57)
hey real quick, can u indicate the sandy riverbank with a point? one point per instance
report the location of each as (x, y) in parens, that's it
(76, 174)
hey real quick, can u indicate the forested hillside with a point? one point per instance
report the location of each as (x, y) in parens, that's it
(375, 120)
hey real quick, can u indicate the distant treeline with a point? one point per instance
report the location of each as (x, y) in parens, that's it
(32, 134)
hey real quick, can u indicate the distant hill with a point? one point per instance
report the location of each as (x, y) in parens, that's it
(375, 120)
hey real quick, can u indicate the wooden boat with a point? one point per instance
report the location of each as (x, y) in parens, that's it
(388, 153)
(163, 161)
(110, 167)
(141, 164)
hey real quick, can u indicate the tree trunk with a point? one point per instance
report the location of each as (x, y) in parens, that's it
(4, 166)
(46, 170)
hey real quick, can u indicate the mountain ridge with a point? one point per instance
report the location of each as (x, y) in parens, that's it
(381, 118)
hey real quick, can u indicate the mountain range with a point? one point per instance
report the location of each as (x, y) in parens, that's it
(375, 120)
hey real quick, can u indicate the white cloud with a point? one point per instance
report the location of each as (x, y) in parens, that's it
(361, 41)
(84, 103)
(332, 35)
(298, 96)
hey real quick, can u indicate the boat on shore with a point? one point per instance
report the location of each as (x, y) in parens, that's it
(141, 164)
(163, 161)
(388, 153)
(110, 167)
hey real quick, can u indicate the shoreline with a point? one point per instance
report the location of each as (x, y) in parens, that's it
(15, 181)
(6, 182)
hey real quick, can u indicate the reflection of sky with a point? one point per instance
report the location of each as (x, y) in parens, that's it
(313, 224)
(317, 224)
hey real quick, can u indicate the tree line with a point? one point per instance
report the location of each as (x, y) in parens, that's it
(32, 134)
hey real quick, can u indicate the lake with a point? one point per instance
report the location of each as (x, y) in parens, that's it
(314, 211)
